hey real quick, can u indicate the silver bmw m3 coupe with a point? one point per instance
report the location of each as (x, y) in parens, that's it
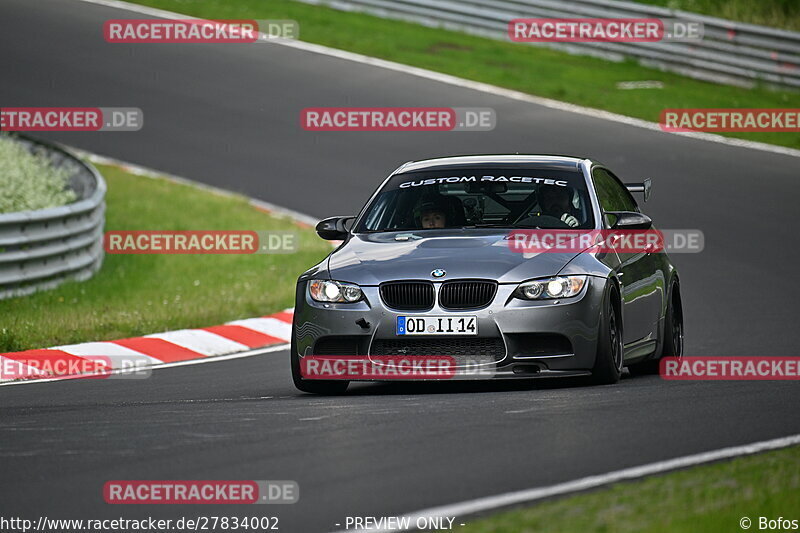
(485, 267)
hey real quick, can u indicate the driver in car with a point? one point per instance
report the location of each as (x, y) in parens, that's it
(431, 216)
(554, 201)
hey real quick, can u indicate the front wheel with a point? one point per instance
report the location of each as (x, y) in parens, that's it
(314, 386)
(608, 363)
(672, 343)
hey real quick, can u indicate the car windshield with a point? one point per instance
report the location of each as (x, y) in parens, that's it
(484, 198)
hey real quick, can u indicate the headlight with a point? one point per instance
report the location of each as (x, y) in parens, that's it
(334, 291)
(543, 289)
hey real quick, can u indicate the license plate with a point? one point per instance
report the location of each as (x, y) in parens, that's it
(437, 325)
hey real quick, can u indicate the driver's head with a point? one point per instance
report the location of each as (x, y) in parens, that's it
(554, 199)
(431, 215)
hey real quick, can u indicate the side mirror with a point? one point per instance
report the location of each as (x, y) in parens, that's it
(643, 187)
(334, 228)
(630, 220)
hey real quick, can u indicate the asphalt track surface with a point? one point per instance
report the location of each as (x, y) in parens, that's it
(229, 116)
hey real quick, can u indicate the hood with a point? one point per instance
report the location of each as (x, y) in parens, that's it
(370, 259)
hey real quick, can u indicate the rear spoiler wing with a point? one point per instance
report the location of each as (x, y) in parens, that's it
(643, 187)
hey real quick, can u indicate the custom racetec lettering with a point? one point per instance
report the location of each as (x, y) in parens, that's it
(465, 179)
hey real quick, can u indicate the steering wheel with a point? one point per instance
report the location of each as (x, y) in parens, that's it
(544, 221)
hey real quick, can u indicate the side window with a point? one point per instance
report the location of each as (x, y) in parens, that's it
(612, 195)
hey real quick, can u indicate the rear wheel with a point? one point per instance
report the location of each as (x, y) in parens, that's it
(314, 386)
(608, 363)
(672, 343)
(673, 326)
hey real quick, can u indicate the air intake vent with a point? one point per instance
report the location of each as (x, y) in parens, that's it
(408, 295)
(458, 348)
(344, 345)
(471, 294)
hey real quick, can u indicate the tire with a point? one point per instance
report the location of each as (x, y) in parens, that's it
(673, 325)
(672, 341)
(609, 360)
(314, 386)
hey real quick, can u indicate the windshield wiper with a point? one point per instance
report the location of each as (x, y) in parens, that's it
(394, 230)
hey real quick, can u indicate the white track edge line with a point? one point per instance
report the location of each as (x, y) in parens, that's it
(199, 361)
(468, 84)
(508, 499)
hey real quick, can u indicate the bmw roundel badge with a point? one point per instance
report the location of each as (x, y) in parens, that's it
(438, 273)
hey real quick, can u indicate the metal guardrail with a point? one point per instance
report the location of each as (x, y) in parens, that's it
(731, 52)
(43, 248)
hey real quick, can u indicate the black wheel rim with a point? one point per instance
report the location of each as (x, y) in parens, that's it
(615, 338)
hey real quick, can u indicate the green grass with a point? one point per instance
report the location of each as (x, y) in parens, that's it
(539, 71)
(28, 180)
(705, 499)
(141, 294)
(777, 13)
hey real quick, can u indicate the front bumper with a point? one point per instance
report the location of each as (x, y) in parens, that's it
(516, 338)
